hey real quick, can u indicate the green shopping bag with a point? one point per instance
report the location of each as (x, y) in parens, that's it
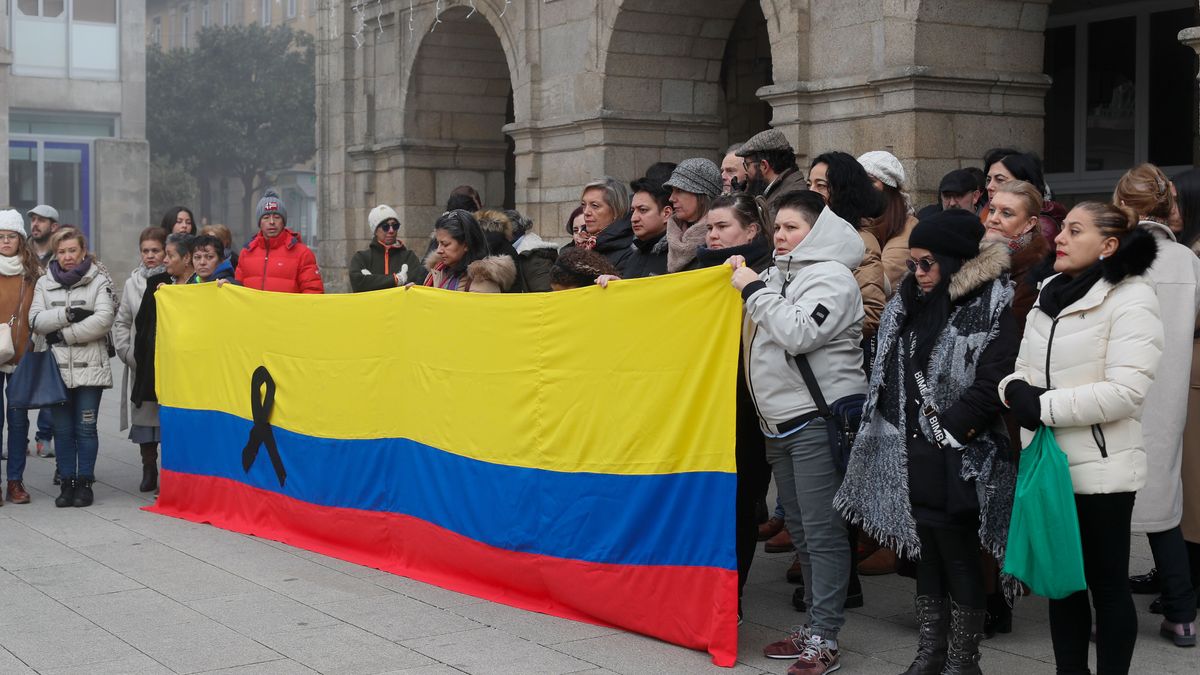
(1044, 550)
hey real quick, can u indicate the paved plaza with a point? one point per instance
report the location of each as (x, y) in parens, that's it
(113, 589)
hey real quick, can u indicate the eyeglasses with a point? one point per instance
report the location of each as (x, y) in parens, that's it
(746, 163)
(925, 264)
(9, 236)
(391, 226)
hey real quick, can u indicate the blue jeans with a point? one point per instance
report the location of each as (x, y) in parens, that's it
(75, 433)
(18, 436)
(807, 479)
(45, 425)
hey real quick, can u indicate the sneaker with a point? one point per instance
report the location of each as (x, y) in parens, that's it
(1182, 634)
(1144, 584)
(791, 647)
(45, 448)
(817, 658)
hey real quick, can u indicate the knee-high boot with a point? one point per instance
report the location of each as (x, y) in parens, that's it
(966, 631)
(149, 467)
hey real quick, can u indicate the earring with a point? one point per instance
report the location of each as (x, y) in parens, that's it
(1102, 256)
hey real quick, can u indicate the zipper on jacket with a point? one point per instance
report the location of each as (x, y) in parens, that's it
(266, 259)
(1098, 436)
(1049, 348)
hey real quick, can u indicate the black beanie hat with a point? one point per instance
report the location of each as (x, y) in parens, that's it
(953, 232)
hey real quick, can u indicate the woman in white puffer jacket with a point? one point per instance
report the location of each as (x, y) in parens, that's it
(73, 306)
(1091, 349)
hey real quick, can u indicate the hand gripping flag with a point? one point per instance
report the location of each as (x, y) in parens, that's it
(568, 453)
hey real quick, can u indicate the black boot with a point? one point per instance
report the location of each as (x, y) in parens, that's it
(933, 622)
(149, 467)
(67, 496)
(83, 492)
(966, 631)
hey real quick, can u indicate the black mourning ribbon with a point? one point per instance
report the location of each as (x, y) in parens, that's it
(261, 433)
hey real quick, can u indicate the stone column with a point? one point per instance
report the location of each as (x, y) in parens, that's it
(1191, 38)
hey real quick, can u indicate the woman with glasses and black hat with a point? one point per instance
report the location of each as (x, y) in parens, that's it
(929, 476)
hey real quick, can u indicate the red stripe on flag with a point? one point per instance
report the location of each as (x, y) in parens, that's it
(694, 607)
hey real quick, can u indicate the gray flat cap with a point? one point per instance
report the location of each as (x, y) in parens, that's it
(765, 141)
(696, 175)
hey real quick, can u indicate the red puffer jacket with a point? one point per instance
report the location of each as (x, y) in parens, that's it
(282, 264)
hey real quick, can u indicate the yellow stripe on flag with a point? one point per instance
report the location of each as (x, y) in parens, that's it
(559, 381)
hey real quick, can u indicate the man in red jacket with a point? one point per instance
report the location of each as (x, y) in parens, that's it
(276, 259)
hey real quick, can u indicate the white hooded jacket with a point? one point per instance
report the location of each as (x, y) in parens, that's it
(807, 303)
(83, 354)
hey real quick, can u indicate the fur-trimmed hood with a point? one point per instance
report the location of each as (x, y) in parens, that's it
(497, 269)
(1136, 254)
(993, 261)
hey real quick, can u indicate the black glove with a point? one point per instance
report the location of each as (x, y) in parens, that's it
(1024, 400)
(54, 337)
(77, 314)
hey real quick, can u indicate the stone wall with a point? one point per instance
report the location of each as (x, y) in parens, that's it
(121, 207)
(609, 88)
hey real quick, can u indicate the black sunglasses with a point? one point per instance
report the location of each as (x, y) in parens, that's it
(925, 264)
(390, 225)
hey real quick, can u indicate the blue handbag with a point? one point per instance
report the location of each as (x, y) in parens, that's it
(37, 382)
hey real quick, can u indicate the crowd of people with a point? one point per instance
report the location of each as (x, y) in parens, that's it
(895, 361)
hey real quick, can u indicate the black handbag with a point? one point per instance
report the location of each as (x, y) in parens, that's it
(37, 382)
(842, 419)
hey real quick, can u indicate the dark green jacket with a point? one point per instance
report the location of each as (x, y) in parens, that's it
(370, 270)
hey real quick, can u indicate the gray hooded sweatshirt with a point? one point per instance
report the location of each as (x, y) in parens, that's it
(807, 303)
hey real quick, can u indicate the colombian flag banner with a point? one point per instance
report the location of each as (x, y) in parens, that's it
(569, 453)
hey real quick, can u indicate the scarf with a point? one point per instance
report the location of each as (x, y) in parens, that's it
(449, 280)
(875, 492)
(757, 254)
(10, 266)
(1063, 291)
(68, 278)
(682, 244)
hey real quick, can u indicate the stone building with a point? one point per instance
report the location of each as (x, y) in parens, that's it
(529, 99)
(73, 117)
(173, 24)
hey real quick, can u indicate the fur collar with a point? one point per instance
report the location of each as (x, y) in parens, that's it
(993, 260)
(1135, 255)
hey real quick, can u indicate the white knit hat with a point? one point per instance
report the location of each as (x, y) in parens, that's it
(380, 215)
(884, 166)
(11, 221)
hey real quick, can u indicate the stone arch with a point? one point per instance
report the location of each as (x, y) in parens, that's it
(665, 64)
(457, 96)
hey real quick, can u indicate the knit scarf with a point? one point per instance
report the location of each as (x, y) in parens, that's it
(682, 244)
(875, 492)
(10, 266)
(68, 278)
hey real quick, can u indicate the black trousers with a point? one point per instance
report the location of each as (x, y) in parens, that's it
(949, 565)
(1104, 530)
(753, 480)
(1171, 560)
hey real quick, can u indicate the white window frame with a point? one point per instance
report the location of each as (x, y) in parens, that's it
(156, 31)
(69, 9)
(205, 14)
(1081, 181)
(292, 8)
(226, 12)
(264, 12)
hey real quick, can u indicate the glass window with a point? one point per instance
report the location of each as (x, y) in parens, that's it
(204, 14)
(1112, 63)
(157, 34)
(291, 9)
(22, 175)
(61, 124)
(40, 35)
(1060, 100)
(55, 173)
(226, 13)
(264, 12)
(185, 26)
(1171, 63)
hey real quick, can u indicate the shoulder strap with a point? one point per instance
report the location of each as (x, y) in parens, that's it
(810, 381)
(20, 301)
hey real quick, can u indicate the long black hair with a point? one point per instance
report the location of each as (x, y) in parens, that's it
(852, 194)
(1026, 166)
(168, 220)
(463, 228)
(927, 313)
(1187, 188)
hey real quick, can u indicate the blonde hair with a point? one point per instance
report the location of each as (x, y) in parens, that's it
(1146, 190)
(65, 233)
(220, 232)
(1027, 192)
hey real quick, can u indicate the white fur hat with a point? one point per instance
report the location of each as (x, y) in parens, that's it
(11, 221)
(380, 215)
(883, 165)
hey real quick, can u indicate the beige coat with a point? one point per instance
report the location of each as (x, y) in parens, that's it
(871, 282)
(83, 354)
(895, 257)
(1190, 521)
(124, 333)
(1175, 276)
